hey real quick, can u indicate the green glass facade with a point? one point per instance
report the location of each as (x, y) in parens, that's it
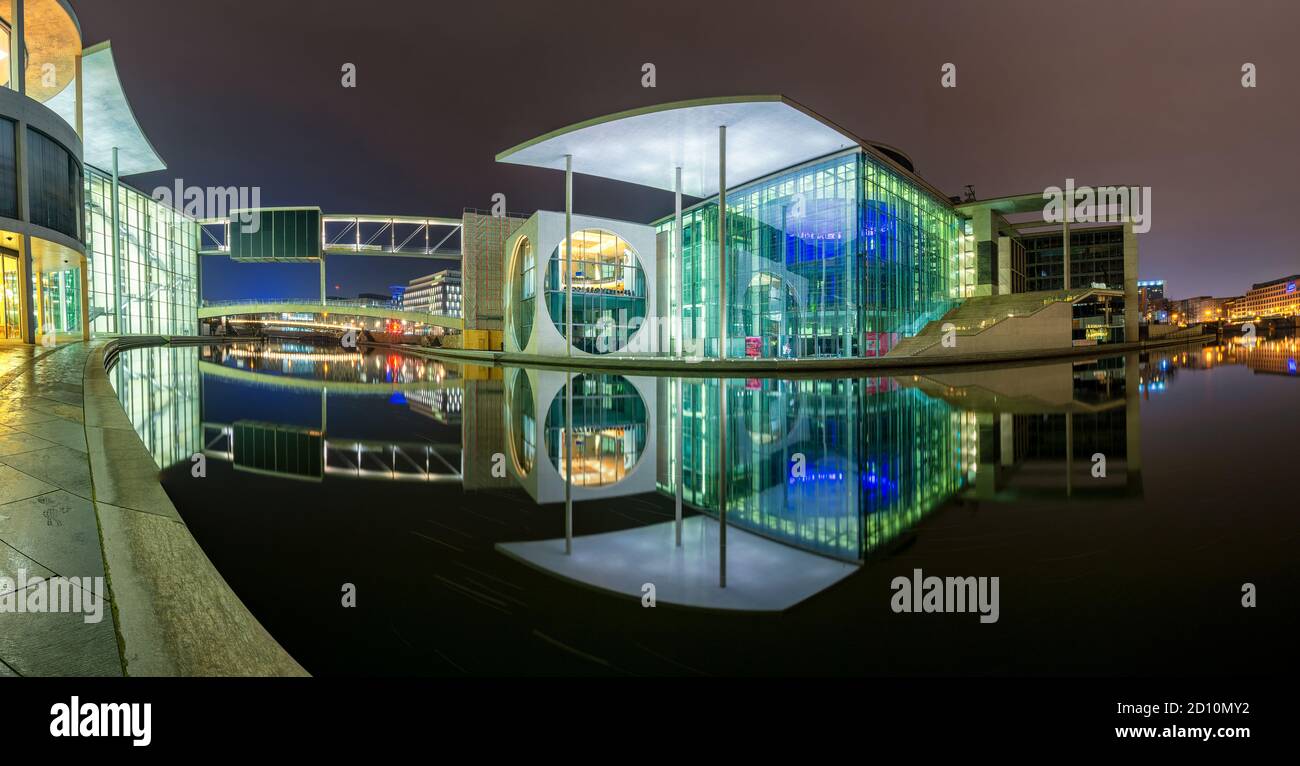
(286, 235)
(157, 264)
(839, 257)
(837, 467)
(159, 389)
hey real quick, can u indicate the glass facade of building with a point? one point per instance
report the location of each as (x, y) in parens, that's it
(1096, 259)
(876, 458)
(840, 257)
(158, 263)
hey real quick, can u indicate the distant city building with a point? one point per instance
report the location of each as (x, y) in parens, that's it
(1203, 308)
(1277, 297)
(438, 293)
(1152, 304)
(377, 297)
(398, 293)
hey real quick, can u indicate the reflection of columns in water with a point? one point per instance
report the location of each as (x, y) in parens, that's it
(679, 439)
(568, 462)
(1069, 454)
(987, 474)
(723, 467)
(1133, 423)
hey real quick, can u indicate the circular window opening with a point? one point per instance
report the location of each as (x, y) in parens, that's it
(523, 291)
(609, 430)
(609, 291)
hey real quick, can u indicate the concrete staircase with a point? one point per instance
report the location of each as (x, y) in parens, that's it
(975, 315)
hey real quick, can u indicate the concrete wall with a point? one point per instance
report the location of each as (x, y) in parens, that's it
(546, 231)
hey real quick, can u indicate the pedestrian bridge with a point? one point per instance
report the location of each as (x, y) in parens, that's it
(362, 308)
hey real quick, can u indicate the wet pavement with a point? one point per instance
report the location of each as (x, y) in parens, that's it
(47, 517)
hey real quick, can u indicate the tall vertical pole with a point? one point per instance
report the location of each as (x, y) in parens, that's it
(680, 438)
(568, 463)
(119, 315)
(722, 241)
(323, 301)
(676, 287)
(568, 253)
(1065, 249)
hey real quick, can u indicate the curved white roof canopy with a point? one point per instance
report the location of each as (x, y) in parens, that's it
(644, 146)
(109, 121)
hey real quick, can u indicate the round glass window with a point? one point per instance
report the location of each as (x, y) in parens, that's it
(609, 291)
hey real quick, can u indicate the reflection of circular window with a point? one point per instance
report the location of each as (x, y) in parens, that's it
(522, 302)
(609, 431)
(523, 423)
(609, 291)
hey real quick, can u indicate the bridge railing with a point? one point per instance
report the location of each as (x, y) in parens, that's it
(367, 303)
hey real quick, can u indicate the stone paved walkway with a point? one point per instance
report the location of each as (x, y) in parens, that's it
(47, 519)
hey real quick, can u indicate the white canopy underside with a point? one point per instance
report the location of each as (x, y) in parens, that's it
(765, 134)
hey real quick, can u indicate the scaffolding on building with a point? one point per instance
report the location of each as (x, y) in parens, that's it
(483, 241)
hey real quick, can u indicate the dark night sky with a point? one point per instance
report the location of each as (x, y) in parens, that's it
(248, 93)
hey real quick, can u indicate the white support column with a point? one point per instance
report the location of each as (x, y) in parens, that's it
(17, 50)
(119, 315)
(568, 253)
(676, 287)
(722, 242)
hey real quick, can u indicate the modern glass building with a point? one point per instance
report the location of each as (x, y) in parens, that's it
(834, 247)
(840, 257)
(80, 252)
(793, 239)
(156, 266)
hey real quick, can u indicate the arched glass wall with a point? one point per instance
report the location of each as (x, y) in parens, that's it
(609, 430)
(523, 291)
(609, 291)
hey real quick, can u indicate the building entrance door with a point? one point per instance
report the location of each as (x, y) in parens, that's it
(11, 312)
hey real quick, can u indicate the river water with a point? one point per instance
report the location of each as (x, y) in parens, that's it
(386, 514)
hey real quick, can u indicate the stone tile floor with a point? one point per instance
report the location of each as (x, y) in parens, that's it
(47, 517)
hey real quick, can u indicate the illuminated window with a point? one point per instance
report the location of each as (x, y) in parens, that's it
(609, 291)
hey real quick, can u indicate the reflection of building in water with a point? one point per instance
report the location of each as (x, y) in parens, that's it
(1266, 356)
(159, 389)
(838, 467)
(440, 404)
(483, 433)
(332, 363)
(1041, 427)
(611, 430)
